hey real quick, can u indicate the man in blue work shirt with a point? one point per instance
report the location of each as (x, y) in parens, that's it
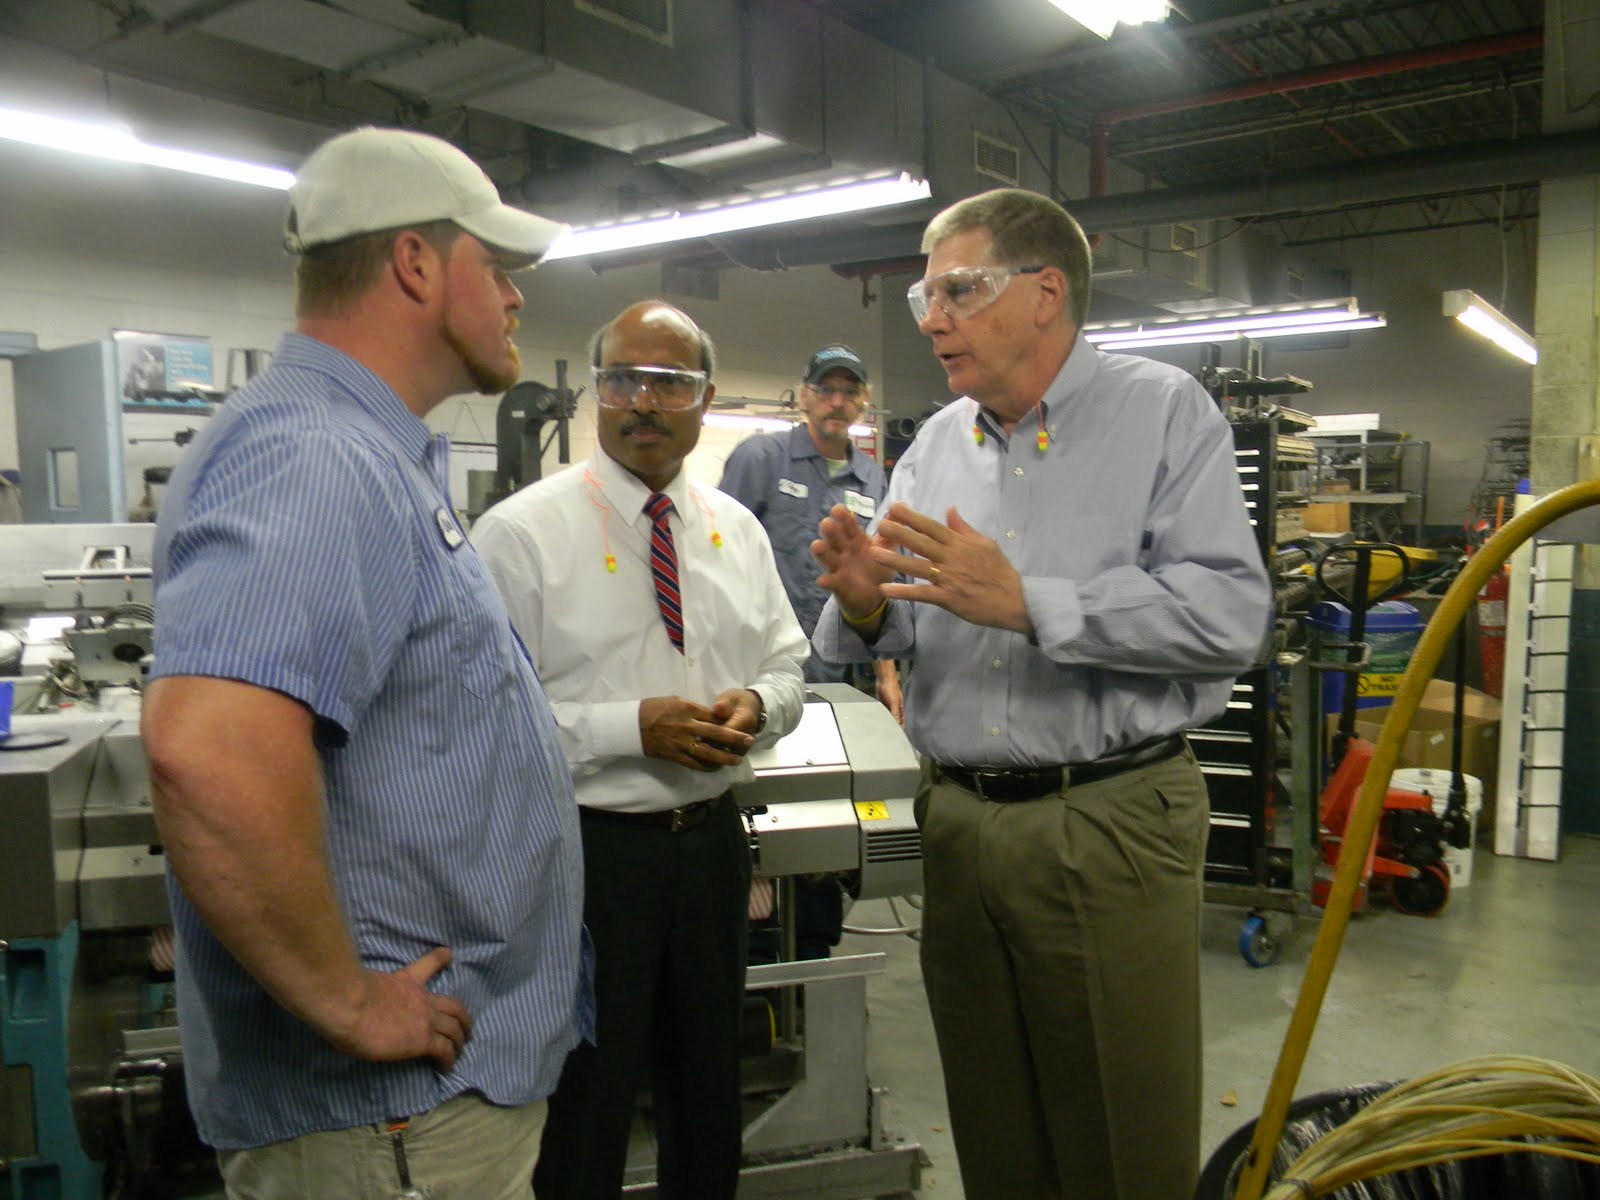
(1067, 558)
(375, 869)
(792, 480)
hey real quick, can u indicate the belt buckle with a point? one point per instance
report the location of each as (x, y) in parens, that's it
(979, 779)
(680, 819)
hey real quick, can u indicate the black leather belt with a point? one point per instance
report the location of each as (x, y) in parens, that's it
(1007, 784)
(673, 820)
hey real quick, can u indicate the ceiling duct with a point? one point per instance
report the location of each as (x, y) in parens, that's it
(659, 83)
(1161, 265)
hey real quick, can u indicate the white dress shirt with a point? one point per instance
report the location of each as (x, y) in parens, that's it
(571, 557)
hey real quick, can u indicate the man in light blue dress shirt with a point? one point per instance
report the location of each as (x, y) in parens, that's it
(375, 869)
(1067, 559)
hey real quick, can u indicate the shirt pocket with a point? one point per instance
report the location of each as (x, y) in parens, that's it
(484, 651)
(793, 520)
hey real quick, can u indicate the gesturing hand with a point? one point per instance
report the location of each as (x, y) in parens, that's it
(968, 574)
(680, 731)
(849, 569)
(397, 1017)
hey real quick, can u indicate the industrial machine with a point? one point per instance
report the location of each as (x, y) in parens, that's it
(91, 1081)
(91, 1070)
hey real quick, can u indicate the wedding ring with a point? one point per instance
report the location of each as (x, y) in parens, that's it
(933, 575)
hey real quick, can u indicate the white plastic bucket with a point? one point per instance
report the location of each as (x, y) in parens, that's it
(1436, 786)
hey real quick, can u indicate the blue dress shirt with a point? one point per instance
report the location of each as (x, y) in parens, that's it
(1139, 571)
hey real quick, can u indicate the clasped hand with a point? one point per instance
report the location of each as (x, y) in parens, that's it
(680, 731)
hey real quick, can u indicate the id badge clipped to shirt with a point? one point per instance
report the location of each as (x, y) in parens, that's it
(864, 507)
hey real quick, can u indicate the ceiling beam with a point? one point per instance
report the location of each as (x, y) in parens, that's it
(1398, 177)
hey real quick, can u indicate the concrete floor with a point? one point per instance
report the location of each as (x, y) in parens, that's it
(1509, 966)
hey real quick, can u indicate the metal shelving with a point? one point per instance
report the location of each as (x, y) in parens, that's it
(1386, 473)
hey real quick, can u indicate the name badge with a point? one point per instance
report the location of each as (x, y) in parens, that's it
(864, 507)
(790, 488)
(448, 529)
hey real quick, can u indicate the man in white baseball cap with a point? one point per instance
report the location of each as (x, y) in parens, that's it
(375, 179)
(375, 870)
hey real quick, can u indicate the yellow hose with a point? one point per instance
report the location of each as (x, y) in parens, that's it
(1368, 808)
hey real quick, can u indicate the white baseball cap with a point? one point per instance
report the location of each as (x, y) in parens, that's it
(371, 179)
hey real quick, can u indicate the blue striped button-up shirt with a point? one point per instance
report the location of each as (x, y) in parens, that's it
(1139, 570)
(307, 545)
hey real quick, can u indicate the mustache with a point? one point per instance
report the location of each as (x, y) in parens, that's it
(644, 421)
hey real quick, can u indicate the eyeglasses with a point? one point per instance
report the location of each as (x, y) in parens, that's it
(619, 387)
(853, 392)
(962, 292)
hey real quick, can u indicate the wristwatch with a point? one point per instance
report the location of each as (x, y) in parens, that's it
(761, 717)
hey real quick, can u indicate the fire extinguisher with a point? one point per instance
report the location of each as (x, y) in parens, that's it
(1492, 631)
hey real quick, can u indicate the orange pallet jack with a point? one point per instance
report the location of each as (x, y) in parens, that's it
(1405, 862)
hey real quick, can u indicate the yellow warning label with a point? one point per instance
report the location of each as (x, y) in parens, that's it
(1377, 685)
(872, 810)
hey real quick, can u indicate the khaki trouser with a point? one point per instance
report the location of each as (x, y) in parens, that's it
(466, 1149)
(1060, 950)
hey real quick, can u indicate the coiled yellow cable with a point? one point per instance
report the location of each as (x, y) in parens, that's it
(1469, 1110)
(1364, 816)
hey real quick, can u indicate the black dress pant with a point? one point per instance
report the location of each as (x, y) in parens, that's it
(667, 913)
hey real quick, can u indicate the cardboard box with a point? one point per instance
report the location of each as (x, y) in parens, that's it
(1427, 744)
(1327, 518)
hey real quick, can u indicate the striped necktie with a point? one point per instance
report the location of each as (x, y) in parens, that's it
(664, 567)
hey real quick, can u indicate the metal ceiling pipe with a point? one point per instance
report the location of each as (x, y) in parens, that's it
(1398, 177)
(1375, 181)
(1372, 68)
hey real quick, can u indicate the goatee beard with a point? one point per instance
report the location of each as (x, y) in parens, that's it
(487, 380)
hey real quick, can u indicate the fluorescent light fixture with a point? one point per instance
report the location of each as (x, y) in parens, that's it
(1101, 16)
(119, 143)
(1344, 423)
(1478, 315)
(722, 420)
(726, 420)
(1265, 321)
(752, 212)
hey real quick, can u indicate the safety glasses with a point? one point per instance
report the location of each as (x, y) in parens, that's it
(852, 393)
(962, 292)
(670, 387)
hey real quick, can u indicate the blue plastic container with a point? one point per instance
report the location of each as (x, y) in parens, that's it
(1392, 630)
(5, 707)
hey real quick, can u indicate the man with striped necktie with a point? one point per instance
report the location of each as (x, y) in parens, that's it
(653, 610)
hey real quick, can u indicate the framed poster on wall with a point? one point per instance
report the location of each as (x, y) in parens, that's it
(162, 367)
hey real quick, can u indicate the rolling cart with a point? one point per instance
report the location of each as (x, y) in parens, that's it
(1260, 855)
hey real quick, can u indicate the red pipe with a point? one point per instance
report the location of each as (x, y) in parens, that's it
(1389, 64)
(1230, 51)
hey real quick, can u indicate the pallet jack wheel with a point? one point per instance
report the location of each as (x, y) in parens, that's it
(1425, 895)
(1256, 943)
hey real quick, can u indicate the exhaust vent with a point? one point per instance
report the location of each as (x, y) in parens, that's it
(894, 846)
(647, 18)
(1294, 285)
(1186, 239)
(996, 159)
